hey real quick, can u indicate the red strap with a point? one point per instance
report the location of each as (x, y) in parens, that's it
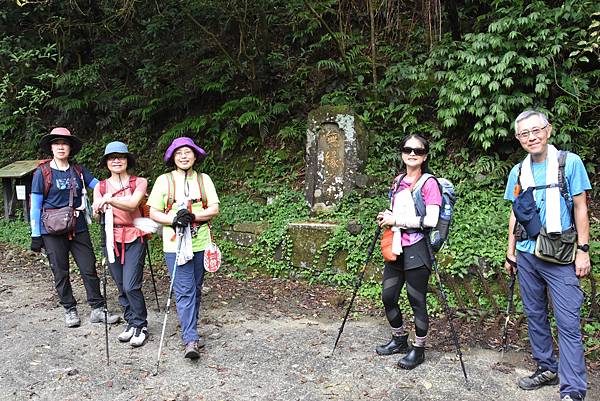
(46, 175)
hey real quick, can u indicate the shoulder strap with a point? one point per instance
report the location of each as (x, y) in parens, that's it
(46, 176)
(418, 196)
(170, 191)
(202, 191)
(102, 187)
(562, 180)
(132, 183)
(395, 184)
(79, 173)
(518, 178)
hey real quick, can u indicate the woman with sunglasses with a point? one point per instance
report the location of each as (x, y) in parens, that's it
(121, 195)
(413, 257)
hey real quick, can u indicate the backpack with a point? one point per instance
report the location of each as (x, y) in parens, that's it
(562, 181)
(438, 235)
(171, 191)
(46, 170)
(144, 208)
(562, 184)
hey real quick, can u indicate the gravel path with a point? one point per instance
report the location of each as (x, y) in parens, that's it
(259, 346)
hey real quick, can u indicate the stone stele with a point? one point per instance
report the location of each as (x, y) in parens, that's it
(336, 152)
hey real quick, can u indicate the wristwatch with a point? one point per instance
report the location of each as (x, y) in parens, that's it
(584, 247)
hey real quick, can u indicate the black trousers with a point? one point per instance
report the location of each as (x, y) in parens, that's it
(58, 248)
(395, 276)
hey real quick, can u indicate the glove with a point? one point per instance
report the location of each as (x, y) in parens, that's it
(183, 218)
(37, 244)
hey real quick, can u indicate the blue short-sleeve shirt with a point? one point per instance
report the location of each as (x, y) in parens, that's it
(577, 182)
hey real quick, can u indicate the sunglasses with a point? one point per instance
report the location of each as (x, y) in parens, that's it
(417, 151)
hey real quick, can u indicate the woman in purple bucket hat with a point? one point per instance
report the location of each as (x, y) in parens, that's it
(183, 201)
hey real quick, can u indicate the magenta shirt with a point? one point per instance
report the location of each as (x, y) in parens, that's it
(431, 196)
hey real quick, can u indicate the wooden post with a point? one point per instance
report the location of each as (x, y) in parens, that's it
(7, 196)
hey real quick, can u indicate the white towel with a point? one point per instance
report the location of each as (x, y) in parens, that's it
(403, 206)
(109, 221)
(185, 251)
(553, 224)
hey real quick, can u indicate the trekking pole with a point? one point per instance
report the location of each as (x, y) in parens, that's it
(164, 325)
(357, 286)
(152, 274)
(447, 309)
(511, 293)
(103, 240)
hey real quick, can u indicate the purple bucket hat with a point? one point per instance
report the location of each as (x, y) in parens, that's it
(184, 141)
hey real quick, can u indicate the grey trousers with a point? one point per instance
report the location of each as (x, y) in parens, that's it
(129, 278)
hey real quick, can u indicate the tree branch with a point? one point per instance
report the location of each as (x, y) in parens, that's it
(333, 36)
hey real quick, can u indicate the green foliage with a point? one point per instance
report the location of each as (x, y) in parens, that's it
(15, 232)
(241, 79)
(491, 75)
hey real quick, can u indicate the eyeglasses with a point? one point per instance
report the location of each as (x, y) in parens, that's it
(417, 151)
(182, 153)
(537, 132)
(115, 156)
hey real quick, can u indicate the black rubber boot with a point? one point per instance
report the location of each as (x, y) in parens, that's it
(397, 345)
(414, 358)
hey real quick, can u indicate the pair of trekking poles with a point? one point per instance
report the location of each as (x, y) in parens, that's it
(105, 276)
(441, 289)
(444, 298)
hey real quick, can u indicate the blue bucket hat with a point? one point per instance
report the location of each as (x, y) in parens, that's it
(117, 147)
(526, 212)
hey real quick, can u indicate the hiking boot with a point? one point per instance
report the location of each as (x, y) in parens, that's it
(541, 377)
(397, 345)
(414, 358)
(126, 335)
(139, 337)
(573, 396)
(97, 316)
(191, 350)
(72, 318)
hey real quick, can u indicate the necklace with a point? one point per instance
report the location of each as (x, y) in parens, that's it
(54, 165)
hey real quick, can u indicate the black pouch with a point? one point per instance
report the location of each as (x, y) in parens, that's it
(520, 232)
(559, 248)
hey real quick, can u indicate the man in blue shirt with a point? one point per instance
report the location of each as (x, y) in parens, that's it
(536, 276)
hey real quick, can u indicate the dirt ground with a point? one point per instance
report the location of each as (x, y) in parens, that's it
(266, 339)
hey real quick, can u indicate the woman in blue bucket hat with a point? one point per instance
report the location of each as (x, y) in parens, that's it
(184, 200)
(119, 197)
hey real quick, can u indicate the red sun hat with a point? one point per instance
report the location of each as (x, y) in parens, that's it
(60, 133)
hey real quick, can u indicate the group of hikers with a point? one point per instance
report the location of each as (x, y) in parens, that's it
(182, 200)
(548, 190)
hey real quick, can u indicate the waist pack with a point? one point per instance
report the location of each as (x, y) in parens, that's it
(386, 245)
(559, 248)
(61, 220)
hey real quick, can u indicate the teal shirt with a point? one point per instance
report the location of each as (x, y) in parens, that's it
(577, 182)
